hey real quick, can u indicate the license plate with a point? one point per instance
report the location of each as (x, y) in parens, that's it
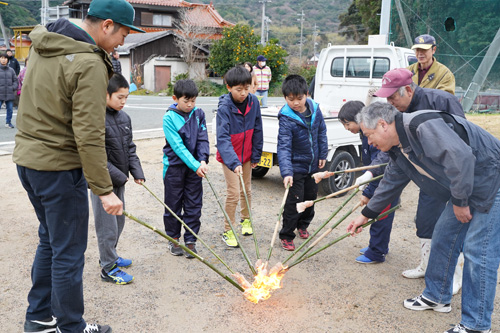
(266, 160)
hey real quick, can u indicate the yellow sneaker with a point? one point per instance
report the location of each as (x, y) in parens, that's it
(246, 227)
(229, 238)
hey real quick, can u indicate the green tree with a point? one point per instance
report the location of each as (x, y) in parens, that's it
(361, 20)
(238, 45)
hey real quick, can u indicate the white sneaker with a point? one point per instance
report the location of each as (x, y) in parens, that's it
(420, 303)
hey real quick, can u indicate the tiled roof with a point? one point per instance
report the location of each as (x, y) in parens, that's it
(167, 3)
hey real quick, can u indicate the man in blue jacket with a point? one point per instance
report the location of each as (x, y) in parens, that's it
(464, 170)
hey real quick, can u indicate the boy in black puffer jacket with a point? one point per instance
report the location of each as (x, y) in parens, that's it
(302, 150)
(122, 159)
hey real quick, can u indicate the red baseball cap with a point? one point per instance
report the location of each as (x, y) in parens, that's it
(393, 80)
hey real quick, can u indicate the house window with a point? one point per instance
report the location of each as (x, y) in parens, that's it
(160, 20)
(360, 67)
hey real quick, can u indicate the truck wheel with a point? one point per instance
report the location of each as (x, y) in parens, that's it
(342, 160)
(259, 172)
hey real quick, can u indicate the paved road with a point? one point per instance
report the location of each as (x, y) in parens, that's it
(146, 113)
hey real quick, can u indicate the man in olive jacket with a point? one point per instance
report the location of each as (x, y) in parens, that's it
(59, 148)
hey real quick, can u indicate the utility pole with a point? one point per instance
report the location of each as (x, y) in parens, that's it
(315, 35)
(4, 33)
(301, 29)
(44, 12)
(268, 22)
(262, 32)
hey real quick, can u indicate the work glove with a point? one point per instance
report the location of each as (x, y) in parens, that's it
(363, 178)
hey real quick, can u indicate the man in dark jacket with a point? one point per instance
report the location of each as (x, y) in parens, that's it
(464, 170)
(117, 66)
(60, 152)
(400, 91)
(8, 88)
(13, 63)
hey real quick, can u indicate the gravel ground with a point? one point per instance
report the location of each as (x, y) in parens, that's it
(327, 293)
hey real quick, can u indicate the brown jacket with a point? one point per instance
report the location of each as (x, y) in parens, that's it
(437, 77)
(61, 117)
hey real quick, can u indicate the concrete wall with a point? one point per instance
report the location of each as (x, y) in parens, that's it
(177, 66)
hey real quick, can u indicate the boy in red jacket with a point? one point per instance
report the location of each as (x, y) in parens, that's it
(239, 146)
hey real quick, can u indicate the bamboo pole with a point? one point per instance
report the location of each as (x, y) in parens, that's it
(323, 235)
(254, 272)
(273, 239)
(344, 236)
(185, 248)
(187, 227)
(301, 206)
(339, 208)
(250, 216)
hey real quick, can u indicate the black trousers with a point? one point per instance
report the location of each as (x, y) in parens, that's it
(304, 188)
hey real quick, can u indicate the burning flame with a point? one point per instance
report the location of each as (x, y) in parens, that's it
(263, 283)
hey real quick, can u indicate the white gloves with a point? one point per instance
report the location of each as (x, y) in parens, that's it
(363, 178)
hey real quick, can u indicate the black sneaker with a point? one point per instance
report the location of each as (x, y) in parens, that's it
(175, 250)
(94, 328)
(42, 326)
(459, 328)
(420, 303)
(192, 247)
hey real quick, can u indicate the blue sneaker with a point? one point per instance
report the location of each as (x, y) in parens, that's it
(117, 276)
(123, 263)
(365, 260)
(363, 250)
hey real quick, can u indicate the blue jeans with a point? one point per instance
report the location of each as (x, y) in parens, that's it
(61, 205)
(481, 247)
(262, 93)
(8, 105)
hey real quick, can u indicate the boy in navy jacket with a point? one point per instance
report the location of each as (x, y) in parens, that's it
(239, 146)
(380, 232)
(185, 158)
(302, 150)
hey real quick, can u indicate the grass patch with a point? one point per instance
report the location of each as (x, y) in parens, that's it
(490, 122)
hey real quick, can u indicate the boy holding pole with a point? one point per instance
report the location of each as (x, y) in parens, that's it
(302, 151)
(122, 159)
(185, 158)
(380, 232)
(239, 146)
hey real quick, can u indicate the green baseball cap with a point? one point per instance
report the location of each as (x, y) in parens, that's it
(120, 11)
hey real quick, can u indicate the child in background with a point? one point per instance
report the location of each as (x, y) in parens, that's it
(185, 158)
(8, 88)
(302, 150)
(239, 146)
(122, 159)
(380, 232)
(253, 86)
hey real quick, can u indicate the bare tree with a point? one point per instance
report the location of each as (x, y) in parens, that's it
(193, 40)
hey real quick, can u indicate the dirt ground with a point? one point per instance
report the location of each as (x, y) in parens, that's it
(327, 293)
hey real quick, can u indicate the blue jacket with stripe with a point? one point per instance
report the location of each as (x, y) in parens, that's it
(300, 147)
(186, 138)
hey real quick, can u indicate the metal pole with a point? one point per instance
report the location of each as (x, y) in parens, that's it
(402, 17)
(385, 18)
(481, 73)
(301, 29)
(262, 32)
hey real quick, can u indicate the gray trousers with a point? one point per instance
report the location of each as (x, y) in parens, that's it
(108, 229)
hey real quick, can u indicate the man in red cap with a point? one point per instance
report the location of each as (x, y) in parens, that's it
(60, 152)
(427, 71)
(400, 90)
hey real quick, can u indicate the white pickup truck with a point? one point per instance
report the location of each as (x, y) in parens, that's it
(344, 72)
